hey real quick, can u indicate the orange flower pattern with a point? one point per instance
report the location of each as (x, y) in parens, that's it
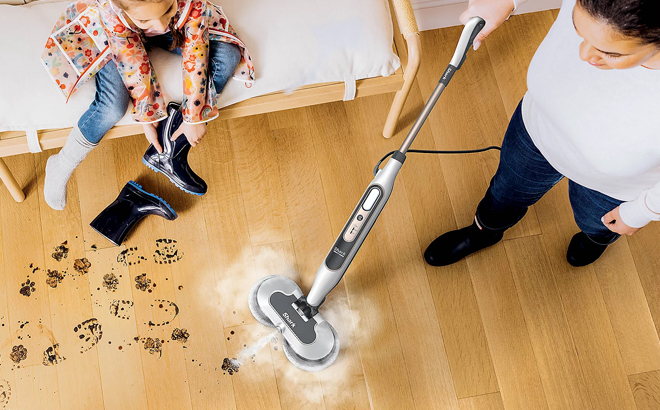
(90, 33)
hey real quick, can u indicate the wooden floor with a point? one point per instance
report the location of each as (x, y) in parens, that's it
(513, 327)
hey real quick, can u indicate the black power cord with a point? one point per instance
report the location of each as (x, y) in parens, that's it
(427, 151)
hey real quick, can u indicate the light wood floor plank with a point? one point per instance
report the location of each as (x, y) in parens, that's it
(194, 284)
(491, 401)
(548, 328)
(259, 178)
(121, 362)
(584, 307)
(645, 249)
(628, 309)
(456, 305)
(35, 385)
(70, 301)
(166, 378)
(646, 389)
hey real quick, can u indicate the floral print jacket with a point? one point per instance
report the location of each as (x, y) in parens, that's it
(91, 33)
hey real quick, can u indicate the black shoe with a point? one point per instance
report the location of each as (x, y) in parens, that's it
(582, 251)
(173, 162)
(132, 204)
(453, 246)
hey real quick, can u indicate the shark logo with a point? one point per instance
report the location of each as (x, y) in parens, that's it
(288, 320)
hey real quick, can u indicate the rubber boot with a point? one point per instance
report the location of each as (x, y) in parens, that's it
(173, 162)
(453, 246)
(132, 204)
(583, 251)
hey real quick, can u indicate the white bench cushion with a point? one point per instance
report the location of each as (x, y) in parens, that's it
(292, 43)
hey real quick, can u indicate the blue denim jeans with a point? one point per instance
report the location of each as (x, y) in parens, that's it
(524, 176)
(112, 98)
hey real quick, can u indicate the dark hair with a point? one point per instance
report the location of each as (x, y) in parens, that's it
(639, 19)
(177, 35)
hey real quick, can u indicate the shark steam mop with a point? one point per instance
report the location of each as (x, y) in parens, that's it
(309, 341)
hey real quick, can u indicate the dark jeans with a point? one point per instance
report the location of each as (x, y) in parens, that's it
(524, 176)
(112, 98)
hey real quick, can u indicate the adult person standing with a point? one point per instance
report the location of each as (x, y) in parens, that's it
(591, 114)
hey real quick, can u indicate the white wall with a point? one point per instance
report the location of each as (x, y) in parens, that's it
(432, 14)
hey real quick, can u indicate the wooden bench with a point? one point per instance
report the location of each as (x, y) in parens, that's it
(407, 46)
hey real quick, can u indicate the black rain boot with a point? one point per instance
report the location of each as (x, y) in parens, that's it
(173, 162)
(583, 251)
(453, 246)
(132, 204)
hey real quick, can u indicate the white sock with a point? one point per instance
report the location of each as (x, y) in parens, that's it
(60, 167)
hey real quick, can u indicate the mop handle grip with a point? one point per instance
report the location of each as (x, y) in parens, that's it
(470, 31)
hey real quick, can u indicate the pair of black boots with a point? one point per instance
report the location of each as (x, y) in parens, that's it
(133, 202)
(453, 246)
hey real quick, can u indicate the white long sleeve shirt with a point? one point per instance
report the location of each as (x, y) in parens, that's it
(599, 128)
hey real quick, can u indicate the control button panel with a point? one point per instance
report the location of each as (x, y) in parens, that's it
(356, 225)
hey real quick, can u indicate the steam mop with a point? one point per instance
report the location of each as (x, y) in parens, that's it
(309, 341)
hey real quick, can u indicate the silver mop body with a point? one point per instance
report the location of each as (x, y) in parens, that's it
(310, 342)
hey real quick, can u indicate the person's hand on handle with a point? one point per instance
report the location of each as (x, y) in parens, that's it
(151, 132)
(495, 12)
(613, 222)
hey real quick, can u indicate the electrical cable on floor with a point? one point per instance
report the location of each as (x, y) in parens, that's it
(427, 151)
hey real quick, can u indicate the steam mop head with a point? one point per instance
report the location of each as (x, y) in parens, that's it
(311, 343)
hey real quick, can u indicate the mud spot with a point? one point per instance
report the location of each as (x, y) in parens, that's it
(143, 283)
(89, 332)
(81, 266)
(53, 277)
(61, 251)
(110, 281)
(163, 312)
(129, 257)
(120, 308)
(230, 365)
(5, 393)
(180, 335)
(18, 353)
(167, 251)
(52, 356)
(27, 288)
(153, 346)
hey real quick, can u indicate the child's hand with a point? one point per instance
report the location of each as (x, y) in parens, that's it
(150, 131)
(193, 132)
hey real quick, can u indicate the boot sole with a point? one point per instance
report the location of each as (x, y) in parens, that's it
(156, 170)
(139, 188)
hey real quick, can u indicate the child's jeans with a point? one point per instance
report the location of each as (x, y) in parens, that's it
(524, 176)
(112, 98)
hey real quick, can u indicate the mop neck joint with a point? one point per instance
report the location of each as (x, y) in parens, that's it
(305, 308)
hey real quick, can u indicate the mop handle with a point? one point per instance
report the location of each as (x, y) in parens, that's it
(470, 31)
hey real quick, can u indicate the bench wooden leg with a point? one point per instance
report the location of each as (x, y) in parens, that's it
(410, 72)
(10, 182)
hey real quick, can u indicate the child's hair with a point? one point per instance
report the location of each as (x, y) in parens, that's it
(639, 19)
(177, 36)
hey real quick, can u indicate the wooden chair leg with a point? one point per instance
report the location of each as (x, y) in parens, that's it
(10, 182)
(410, 72)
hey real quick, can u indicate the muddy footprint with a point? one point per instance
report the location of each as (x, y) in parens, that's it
(5, 393)
(61, 251)
(167, 252)
(129, 257)
(52, 356)
(143, 283)
(89, 333)
(153, 346)
(27, 288)
(162, 312)
(180, 335)
(81, 266)
(120, 308)
(110, 281)
(54, 277)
